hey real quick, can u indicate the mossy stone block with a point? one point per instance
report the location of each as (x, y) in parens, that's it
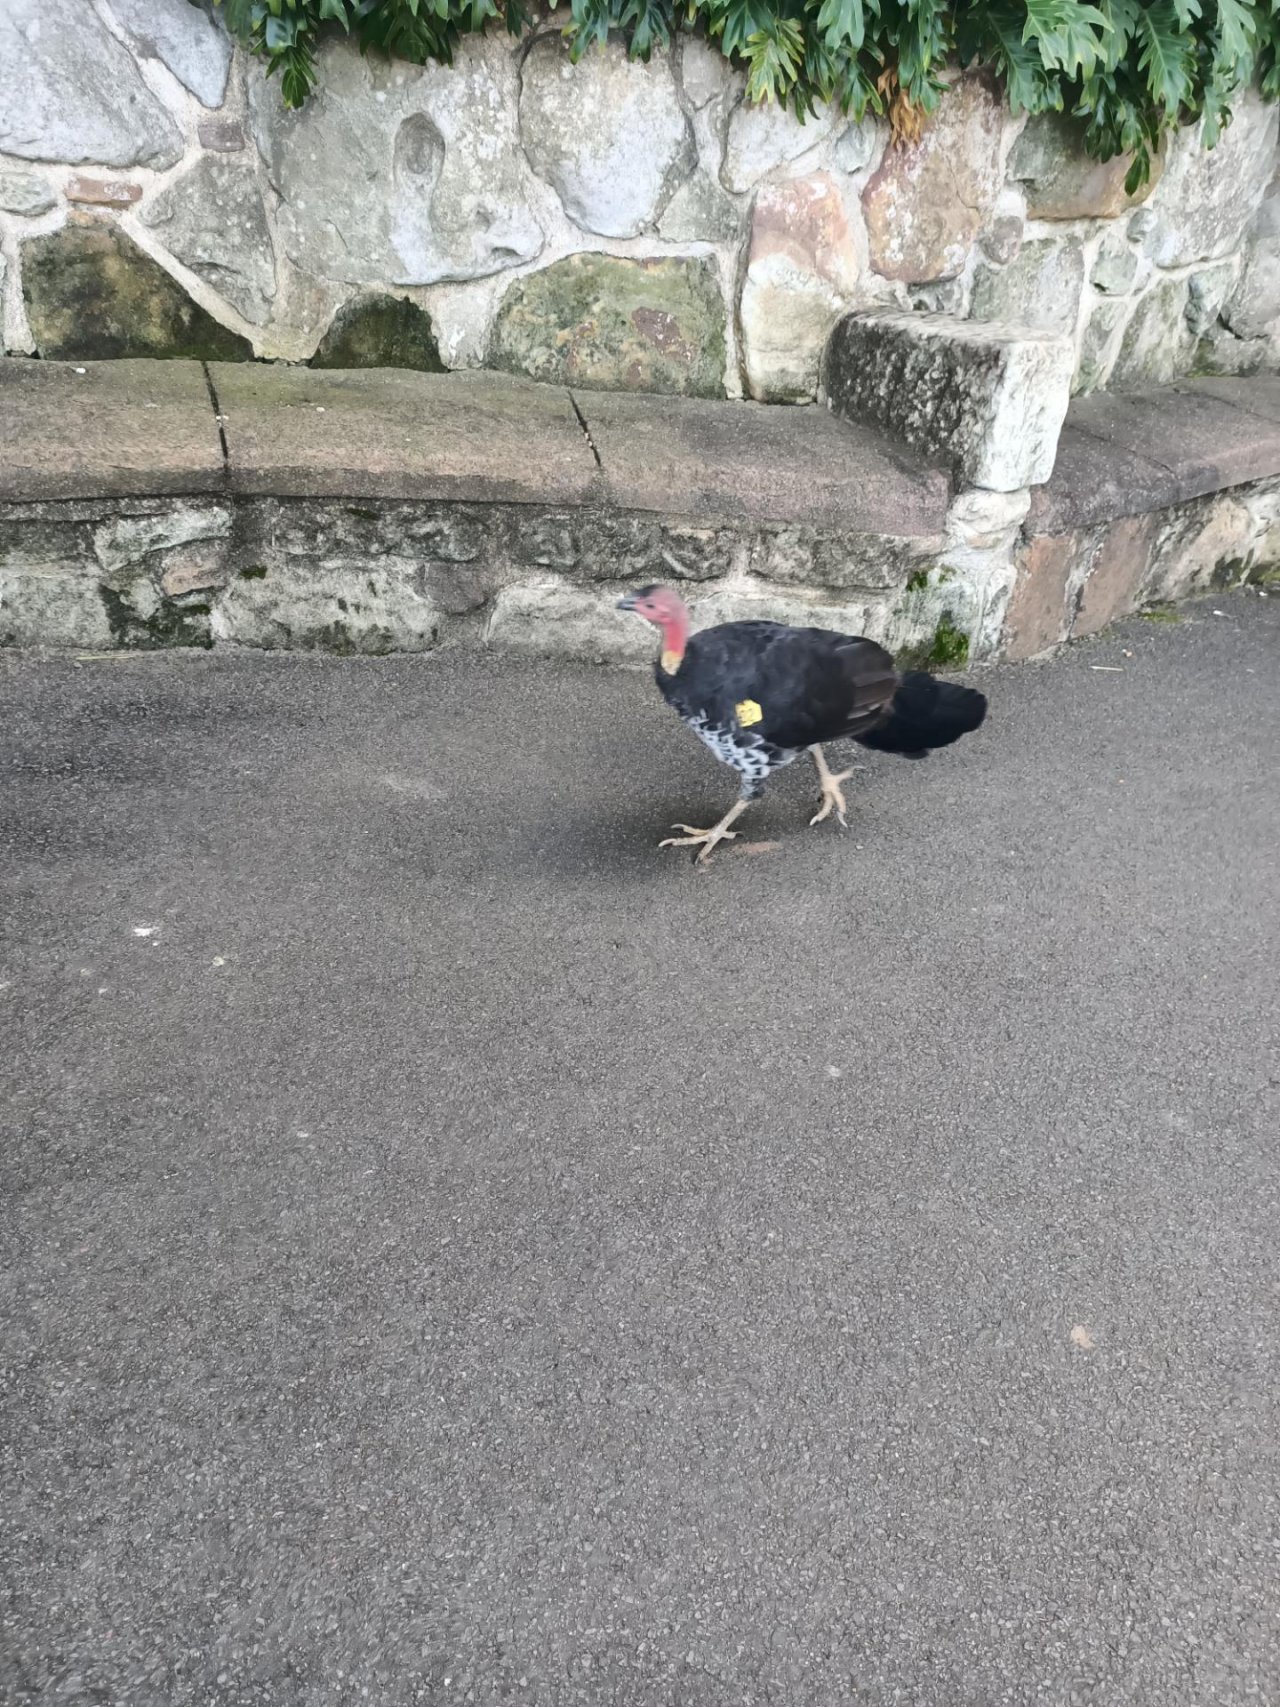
(380, 331)
(93, 295)
(612, 324)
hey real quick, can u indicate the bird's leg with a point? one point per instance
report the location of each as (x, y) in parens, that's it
(832, 794)
(706, 840)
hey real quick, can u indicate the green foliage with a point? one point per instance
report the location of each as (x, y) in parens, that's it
(1130, 70)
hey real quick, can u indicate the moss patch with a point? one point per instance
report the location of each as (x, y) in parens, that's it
(1161, 613)
(380, 331)
(920, 580)
(948, 649)
(168, 624)
(1230, 572)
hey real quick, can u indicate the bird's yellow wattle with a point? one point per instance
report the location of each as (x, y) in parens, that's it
(670, 662)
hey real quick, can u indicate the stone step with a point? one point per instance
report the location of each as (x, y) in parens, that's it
(988, 398)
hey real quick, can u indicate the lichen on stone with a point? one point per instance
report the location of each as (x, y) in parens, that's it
(608, 323)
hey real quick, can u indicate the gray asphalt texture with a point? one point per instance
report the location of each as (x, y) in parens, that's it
(466, 1255)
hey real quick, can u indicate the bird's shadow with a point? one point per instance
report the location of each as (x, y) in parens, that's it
(564, 832)
(619, 842)
(593, 839)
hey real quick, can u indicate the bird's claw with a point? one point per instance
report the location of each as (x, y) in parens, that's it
(833, 799)
(824, 812)
(703, 840)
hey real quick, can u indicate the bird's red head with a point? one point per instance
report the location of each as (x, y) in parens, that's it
(666, 610)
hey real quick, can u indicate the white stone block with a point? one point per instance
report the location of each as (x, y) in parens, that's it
(70, 92)
(988, 399)
(608, 134)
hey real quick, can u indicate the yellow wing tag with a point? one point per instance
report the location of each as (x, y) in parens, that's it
(747, 712)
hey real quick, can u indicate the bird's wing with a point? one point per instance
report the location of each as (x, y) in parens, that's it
(814, 685)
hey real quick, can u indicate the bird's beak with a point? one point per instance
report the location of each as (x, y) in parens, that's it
(627, 602)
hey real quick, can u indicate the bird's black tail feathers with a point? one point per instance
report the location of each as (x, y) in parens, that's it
(926, 713)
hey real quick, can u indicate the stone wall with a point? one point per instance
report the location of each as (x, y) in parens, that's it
(1076, 583)
(609, 225)
(384, 576)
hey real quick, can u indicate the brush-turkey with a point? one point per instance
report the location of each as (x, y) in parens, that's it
(760, 694)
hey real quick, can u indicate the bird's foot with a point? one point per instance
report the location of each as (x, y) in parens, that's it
(833, 797)
(706, 840)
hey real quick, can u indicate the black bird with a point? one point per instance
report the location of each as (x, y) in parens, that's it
(760, 694)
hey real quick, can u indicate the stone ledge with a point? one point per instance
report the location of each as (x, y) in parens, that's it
(106, 429)
(726, 461)
(1125, 454)
(375, 510)
(1156, 495)
(128, 429)
(1093, 482)
(390, 433)
(487, 438)
(472, 509)
(1259, 395)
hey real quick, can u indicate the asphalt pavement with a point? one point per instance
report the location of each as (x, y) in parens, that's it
(455, 1252)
